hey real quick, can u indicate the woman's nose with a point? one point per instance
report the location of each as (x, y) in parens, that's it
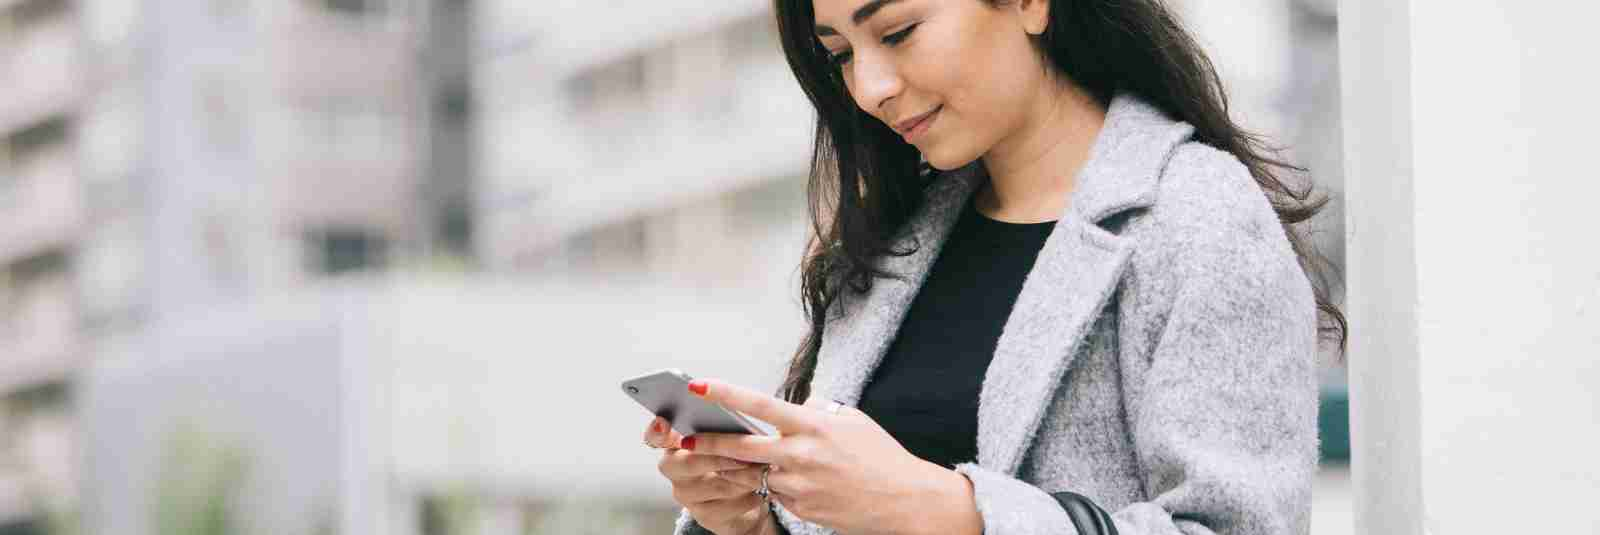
(876, 81)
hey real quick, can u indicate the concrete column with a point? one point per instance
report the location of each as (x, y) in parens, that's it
(1473, 265)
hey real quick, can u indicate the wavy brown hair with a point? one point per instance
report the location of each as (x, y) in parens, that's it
(866, 182)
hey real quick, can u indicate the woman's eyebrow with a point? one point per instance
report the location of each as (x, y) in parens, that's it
(860, 16)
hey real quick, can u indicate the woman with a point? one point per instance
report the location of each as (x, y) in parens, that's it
(1047, 266)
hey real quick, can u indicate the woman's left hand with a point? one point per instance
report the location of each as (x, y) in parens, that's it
(839, 470)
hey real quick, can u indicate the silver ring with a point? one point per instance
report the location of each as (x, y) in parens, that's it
(833, 407)
(763, 492)
(651, 446)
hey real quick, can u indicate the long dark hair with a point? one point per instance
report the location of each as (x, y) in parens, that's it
(866, 182)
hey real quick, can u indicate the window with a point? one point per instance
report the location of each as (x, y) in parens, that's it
(619, 247)
(8, 305)
(343, 250)
(345, 128)
(25, 526)
(455, 229)
(8, 178)
(30, 12)
(618, 82)
(770, 204)
(455, 103)
(754, 40)
(41, 266)
(36, 137)
(352, 7)
(52, 395)
(21, 151)
(20, 291)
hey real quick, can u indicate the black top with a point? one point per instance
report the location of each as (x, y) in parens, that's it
(925, 392)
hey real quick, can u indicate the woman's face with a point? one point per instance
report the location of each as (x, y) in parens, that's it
(969, 63)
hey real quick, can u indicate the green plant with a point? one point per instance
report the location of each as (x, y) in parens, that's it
(202, 475)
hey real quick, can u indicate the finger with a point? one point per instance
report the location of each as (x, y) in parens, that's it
(749, 448)
(778, 480)
(786, 482)
(660, 434)
(652, 433)
(747, 478)
(707, 489)
(725, 508)
(682, 465)
(787, 416)
(821, 404)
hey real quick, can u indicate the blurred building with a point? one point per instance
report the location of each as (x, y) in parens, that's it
(46, 212)
(637, 203)
(654, 141)
(161, 158)
(653, 180)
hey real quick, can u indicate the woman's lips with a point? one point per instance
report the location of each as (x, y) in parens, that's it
(921, 126)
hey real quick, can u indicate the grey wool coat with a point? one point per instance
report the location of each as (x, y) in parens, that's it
(1160, 358)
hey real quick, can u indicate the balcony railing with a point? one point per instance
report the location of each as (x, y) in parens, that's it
(41, 71)
(313, 54)
(43, 206)
(39, 333)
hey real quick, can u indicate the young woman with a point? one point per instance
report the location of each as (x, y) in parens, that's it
(1050, 276)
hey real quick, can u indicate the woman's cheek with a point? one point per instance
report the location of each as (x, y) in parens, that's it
(958, 144)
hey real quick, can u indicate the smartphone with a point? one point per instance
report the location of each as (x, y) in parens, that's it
(665, 393)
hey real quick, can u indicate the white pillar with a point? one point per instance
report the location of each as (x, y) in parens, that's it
(1473, 265)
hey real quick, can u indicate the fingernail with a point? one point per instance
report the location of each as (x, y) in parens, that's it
(688, 443)
(698, 387)
(655, 426)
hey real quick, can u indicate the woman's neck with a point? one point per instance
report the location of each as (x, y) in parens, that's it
(1033, 172)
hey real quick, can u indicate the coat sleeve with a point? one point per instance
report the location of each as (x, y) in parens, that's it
(1223, 417)
(687, 526)
(787, 524)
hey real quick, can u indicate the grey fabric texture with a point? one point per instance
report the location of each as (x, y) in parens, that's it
(1160, 358)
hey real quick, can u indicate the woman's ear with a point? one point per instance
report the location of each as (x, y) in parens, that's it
(1035, 15)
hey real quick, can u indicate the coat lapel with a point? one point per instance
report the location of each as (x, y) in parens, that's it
(1075, 274)
(853, 345)
(1073, 277)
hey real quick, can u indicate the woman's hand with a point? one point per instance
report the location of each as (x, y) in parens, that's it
(721, 505)
(840, 470)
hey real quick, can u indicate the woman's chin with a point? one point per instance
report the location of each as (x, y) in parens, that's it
(947, 162)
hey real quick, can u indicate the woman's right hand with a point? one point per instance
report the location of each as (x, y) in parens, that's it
(718, 504)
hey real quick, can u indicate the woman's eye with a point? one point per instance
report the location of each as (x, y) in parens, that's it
(897, 37)
(840, 58)
(892, 39)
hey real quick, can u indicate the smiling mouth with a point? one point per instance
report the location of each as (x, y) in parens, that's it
(915, 127)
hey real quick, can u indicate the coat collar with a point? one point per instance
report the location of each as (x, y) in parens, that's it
(1073, 277)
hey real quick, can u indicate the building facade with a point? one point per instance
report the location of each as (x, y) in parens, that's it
(158, 158)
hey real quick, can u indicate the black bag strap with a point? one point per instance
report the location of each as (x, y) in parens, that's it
(1089, 518)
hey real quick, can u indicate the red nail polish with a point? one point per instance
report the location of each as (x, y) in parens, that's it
(688, 443)
(655, 426)
(698, 387)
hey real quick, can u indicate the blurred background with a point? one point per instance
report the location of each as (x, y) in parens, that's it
(377, 266)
